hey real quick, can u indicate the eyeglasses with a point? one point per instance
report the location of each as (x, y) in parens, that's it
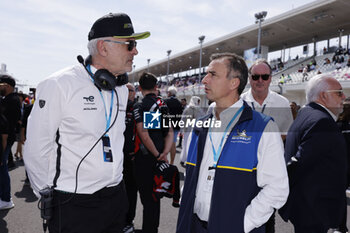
(131, 43)
(130, 90)
(340, 93)
(264, 77)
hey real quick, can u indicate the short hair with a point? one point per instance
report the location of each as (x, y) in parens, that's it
(172, 90)
(147, 81)
(8, 79)
(315, 86)
(235, 64)
(260, 61)
(92, 45)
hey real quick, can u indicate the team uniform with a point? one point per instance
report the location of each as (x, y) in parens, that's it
(129, 167)
(145, 163)
(69, 116)
(275, 106)
(237, 191)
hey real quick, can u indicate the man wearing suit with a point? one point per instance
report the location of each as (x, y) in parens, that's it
(316, 156)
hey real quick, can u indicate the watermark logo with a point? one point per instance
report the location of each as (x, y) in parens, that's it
(151, 120)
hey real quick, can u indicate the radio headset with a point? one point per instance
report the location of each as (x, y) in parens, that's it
(103, 80)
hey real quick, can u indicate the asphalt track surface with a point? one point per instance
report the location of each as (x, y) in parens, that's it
(25, 216)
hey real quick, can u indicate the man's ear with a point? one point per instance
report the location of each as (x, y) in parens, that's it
(101, 48)
(235, 83)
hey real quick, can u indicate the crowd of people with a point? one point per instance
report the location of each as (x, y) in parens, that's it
(90, 146)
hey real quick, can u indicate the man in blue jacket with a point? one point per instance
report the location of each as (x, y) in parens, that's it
(235, 171)
(317, 160)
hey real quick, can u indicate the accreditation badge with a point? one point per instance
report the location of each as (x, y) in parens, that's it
(107, 150)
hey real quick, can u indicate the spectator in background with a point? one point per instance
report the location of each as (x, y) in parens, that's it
(305, 73)
(12, 111)
(324, 50)
(282, 79)
(183, 103)
(344, 125)
(155, 144)
(19, 139)
(175, 110)
(26, 112)
(294, 108)
(326, 61)
(4, 175)
(263, 100)
(315, 152)
(129, 157)
(192, 111)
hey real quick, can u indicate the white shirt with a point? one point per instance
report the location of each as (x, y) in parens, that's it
(330, 113)
(272, 175)
(206, 176)
(275, 106)
(69, 103)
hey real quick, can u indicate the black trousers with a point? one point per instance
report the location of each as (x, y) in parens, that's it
(198, 226)
(101, 212)
(310, 229)
(144, 173)
(131, 187)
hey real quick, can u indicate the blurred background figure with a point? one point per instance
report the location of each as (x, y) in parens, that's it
(175, 110)
(192, 111)
(344, 125)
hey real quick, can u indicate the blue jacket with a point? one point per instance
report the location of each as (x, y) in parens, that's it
(235, 182)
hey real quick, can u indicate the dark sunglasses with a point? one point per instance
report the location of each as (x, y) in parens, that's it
(131, 43)
(264, 77)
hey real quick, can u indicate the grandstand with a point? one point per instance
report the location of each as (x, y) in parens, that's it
(318, 21)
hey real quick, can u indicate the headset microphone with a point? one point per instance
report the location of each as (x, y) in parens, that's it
(103, 79)
(81, 60)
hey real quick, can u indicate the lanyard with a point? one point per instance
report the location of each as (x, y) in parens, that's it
(263, 108)
(108, 120)
(218, 152)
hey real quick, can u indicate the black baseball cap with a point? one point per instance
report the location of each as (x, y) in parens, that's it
(117, 25)
(8, 80)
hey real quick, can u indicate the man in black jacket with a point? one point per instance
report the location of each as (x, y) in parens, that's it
(317, 163)
(155, 145)
(129, 156)
(12, 111)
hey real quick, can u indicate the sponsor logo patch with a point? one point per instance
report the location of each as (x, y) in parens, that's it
(42, 103)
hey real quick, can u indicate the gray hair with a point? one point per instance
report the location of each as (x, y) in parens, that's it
(315, 86)
(172, 90)
(92, 45)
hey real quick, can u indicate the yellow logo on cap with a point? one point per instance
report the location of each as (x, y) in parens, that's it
(127, 25)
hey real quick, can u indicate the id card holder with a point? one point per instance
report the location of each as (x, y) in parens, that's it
(107, 150)
(210, 180)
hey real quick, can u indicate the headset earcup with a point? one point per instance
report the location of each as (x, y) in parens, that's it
(104, 80)
(122, 79)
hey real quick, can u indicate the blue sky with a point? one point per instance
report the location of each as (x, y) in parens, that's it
(39, 37)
